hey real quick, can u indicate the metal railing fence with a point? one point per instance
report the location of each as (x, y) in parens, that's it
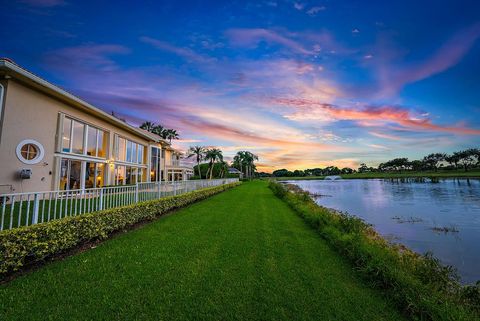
(23, 209)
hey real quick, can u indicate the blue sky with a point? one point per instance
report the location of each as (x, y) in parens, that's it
(300, 83)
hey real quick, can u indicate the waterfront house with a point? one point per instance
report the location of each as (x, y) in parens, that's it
(53, 140)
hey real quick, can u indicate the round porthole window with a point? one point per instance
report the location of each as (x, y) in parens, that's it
(30, 151)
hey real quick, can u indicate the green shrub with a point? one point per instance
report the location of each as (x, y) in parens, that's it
(25, 245)
(420, 285)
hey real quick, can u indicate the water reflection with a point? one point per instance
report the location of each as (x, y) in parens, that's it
(449, 203)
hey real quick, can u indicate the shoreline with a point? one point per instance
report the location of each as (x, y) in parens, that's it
(462, 175)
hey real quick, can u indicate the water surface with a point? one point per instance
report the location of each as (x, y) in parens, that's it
(406, 211)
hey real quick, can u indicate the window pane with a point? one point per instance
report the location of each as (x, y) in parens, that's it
(129, 151)
(67, 125)
(141, 148)
(92, 141)
(77, 146)
(121, 149)
(134, 153)
(63, 175)
(128, 175)
(100, 175)
(90, 175)
(102, 144)
(74, 178)
(120, 175)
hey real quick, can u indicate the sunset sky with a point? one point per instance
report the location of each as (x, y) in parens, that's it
(301, 84)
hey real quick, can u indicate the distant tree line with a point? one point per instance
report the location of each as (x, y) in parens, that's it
(461, 160)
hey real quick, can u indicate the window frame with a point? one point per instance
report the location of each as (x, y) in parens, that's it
(38, 158)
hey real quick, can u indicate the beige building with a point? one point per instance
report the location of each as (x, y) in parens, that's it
(53, 140)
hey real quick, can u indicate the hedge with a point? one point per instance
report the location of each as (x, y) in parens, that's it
(26, 245)
(419, 285)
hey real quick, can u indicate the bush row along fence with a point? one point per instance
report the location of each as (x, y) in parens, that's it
(24, 209)
(20, 247)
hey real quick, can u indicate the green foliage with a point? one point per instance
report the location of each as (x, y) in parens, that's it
(420, 285)
(34, 243)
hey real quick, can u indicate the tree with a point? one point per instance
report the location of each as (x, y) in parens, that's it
(416, 165)
(199, 153)
(454, 159)
(363, 168)
(170, 134)
(212, 155)
(148, 126)
(159, 130)
(432, 160)
(467, 158)
(244, 161)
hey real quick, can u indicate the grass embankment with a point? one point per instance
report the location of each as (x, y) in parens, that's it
(239, 255)
(439, 174)
(420, 285)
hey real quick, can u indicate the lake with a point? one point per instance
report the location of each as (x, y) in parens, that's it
(407, 211)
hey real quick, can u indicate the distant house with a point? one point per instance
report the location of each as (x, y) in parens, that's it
(234, 171)
(53, 140)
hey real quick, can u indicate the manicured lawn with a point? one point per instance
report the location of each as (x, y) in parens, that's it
(240, 255)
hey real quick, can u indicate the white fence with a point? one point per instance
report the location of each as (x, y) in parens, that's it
(23, 209)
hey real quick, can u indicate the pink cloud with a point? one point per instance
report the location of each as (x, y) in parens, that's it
(185, 53)
(367, 116)
(252, 37)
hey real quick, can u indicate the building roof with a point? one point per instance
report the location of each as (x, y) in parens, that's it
(233, 170)
(10, 69)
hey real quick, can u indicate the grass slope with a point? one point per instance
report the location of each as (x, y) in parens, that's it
(240, 255)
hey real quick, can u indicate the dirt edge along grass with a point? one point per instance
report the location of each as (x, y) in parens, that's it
(419, 285)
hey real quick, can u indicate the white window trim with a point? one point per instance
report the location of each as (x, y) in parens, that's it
(36, 160)
(2, 90)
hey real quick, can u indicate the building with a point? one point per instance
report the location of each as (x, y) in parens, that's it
(53, 140)
(234, 171)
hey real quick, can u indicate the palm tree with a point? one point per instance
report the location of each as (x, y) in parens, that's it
(213, 154)
(250, 158)
(159, 130)
(245, 161)
(148, 125)
(171, 134)
(199, 153)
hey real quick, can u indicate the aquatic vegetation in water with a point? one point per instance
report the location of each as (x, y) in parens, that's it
(410, 219)
(445, 229)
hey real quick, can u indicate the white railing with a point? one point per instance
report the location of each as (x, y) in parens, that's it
(23, 209)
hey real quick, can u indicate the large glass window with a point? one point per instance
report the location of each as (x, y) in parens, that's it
(129, 175)
(74, 141)
(155, 162)
(94, 175)
(129, 151)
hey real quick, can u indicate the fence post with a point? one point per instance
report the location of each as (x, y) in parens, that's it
(136, 192)
(159, 189)
(36, 205)
(174, 187)
(100, 204)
